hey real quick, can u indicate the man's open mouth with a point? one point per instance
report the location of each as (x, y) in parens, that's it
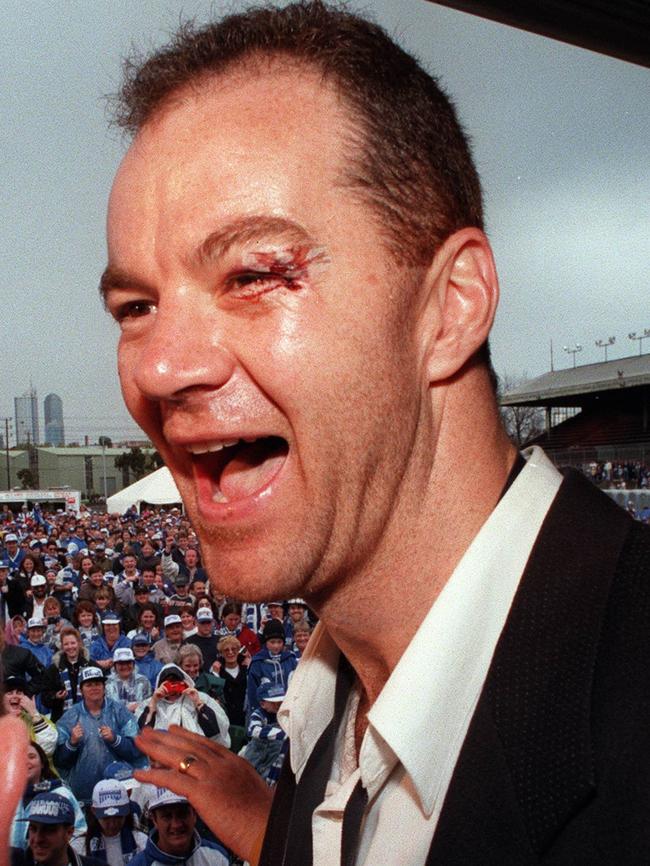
(239, 468)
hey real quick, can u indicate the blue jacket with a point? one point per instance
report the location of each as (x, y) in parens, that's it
(82, 766)
(267, 668)
(202, 853)
(150, 667)
(99, 648)
(42, 651)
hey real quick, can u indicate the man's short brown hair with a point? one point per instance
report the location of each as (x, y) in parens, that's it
(408, 156)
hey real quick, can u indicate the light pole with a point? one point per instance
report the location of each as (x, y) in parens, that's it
(640, 337)
(603, 344)
(573, 350)
(104, 466)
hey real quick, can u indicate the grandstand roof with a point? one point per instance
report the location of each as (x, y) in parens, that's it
(619, 29)
(576, 385)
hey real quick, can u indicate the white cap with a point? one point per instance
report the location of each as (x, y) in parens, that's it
(165, 797)
(110, 798)
(123, 654)
(36, 622)
(204, 614)
(11, 536)
(173, 619)
(38, 580)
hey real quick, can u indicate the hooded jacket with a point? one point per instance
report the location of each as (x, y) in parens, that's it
(276, 669)
(210, 720)
(202, 853)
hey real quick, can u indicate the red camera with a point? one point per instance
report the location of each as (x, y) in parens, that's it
(174, 687)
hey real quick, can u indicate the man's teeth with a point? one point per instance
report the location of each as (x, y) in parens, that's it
(217, 445)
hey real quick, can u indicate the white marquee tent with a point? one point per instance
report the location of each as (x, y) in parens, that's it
(158, 488)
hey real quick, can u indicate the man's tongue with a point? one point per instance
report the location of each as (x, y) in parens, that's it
(251, 469)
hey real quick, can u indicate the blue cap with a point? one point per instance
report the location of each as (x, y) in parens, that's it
(50, 808)
(271, 692)
(109, 617)
(122, 772)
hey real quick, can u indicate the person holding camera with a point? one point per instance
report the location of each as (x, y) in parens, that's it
(176, 701)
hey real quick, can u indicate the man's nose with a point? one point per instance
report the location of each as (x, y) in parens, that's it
(183, 351)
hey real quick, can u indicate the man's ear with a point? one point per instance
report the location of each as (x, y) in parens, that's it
(460, 300)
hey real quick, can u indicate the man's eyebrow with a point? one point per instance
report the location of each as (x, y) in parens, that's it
(251, 229)
(116, 278)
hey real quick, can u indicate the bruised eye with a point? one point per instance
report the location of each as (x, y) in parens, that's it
(252, 285)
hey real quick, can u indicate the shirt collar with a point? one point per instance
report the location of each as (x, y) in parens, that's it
(446, 673)
(447, 661)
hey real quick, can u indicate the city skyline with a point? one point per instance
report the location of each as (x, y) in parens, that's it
(561, 138)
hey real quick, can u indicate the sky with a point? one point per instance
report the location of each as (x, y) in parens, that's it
(561, 137)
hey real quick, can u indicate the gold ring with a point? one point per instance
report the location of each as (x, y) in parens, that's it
(186, 763)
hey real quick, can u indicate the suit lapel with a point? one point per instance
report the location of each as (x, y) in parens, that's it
(533, 717)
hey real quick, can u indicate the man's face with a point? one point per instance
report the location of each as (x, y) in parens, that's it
(224, 214)
(35, 635)
(111, 632)
(48, 841)
(175, 825)
(12, 547)
(174, 633)
(275, 645)
(97, 578)
(191, 557)
(198, 589)
(93, 691)
(129, 564)
(204, 627)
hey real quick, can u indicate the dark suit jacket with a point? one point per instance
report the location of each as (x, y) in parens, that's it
(555, 768)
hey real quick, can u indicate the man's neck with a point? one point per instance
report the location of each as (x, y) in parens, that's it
(374, 613)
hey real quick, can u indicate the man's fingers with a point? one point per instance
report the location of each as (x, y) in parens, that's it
(176, 782)
(169, 749)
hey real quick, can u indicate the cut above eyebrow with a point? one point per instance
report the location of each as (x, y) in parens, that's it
(251, 229)
(244, 230)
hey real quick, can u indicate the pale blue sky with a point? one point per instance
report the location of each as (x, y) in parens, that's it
(561, 137)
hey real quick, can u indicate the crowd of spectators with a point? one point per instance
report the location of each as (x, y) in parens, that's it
(111, 624)
(621, 475)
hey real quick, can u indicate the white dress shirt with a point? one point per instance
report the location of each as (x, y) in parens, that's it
(418, 724)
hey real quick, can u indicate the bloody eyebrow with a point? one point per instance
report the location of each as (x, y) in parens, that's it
(253, 229)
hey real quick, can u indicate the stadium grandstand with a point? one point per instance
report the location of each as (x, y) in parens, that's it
(597, 418)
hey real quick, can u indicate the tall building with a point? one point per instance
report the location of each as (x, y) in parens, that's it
(26, 411)
(53, 412)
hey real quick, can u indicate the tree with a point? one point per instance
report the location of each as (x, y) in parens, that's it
(135, 461)
(105, 441)
(138, 463)
(522, 423)
(26, 478)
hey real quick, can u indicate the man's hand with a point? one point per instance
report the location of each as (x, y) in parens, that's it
(105, 664)
(76, 734)
(60, 694)
(107, 734)
(226, 791)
